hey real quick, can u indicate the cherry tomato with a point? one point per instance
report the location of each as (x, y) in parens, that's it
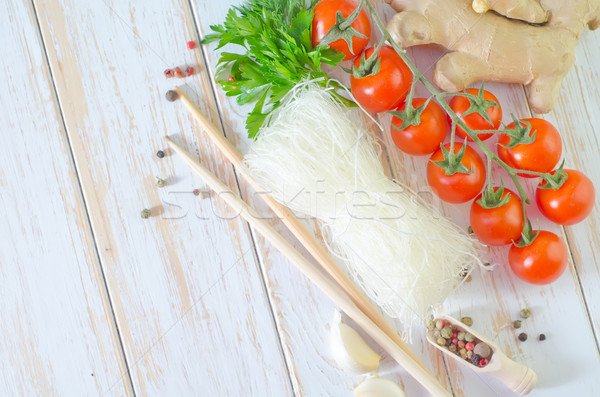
(461, 104)
(571, 203)
(498, 226)
(424, 138)
(324, 18)
(457, 188)
(540, 263)
(387, 89)
(542, 155)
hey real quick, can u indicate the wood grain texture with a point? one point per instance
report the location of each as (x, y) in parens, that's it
(577, 117)
(187, 292)
(58, 337)
(201, 311)
(305, 333)
(493, 299)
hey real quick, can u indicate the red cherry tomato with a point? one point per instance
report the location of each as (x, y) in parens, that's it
(457, 188)
(541, 156)
(571, 203)
(540, 263)
(387, 89)
(424, 138)
(324, 18)
(498, 226)
(461, 104)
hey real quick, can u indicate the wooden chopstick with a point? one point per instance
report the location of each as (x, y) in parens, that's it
(320, 280)
(298, 230)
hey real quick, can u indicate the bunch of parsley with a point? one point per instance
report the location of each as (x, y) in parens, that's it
(276, 37)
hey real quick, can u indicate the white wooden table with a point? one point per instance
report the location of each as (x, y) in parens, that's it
(95, 301)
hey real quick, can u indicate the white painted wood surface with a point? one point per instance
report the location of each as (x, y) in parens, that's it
(203, 306)
(187, 293)
(57, 334)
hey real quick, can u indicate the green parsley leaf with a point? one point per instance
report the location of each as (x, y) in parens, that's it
(277, 53)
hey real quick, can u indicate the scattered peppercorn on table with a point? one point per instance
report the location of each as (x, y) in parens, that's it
(123, 275)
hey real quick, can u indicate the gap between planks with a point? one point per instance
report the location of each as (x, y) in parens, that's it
(99, 269)
(568, 238)
(386, 161)
(261, 267)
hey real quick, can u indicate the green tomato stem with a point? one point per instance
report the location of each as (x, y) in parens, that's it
(489, 174)
(456, 121)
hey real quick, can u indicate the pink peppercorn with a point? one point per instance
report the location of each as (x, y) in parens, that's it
(191, 45)
(179, 73)
(189, 71)
(461, 344)
(470, 346)
(483, 362)
(230, 78)
(168, 73)
(455, 341)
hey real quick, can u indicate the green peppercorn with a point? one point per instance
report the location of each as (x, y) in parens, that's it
(517, 324)
(439, 324)
(452, 348)
(525, 313)
(441, 341)
(542, 337)
(160, 182)
(522, 336)
(470, 230)
(461, 335)
(468, 321)
(469, 337)
(463, 353)
(447, 332)
(146, 213)
(431, 325)
(436, 333)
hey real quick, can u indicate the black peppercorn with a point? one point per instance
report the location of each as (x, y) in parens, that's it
(475, 359)
(522, 336)
(171, 96)
(160, 154)
(542, 337)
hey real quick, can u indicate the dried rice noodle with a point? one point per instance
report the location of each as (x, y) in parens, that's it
(317, 157)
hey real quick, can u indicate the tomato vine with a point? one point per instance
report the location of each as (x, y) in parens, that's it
(480, 106)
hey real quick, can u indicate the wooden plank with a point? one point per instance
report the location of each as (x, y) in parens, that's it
(304, 333)
(58, 336)
(185, 285)
(576, 117)
(492, 299)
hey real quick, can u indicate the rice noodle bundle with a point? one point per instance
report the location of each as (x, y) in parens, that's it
(316, 157)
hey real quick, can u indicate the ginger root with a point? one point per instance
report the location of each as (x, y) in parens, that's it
(495, 47)
(525, 10)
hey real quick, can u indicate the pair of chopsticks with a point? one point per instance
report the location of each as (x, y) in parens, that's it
(349, 299)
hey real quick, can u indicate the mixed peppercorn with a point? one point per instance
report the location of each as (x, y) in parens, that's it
(462, 343)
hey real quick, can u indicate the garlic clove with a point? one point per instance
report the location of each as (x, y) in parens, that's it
(350, 351)
(480, 6)
(378, 387)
